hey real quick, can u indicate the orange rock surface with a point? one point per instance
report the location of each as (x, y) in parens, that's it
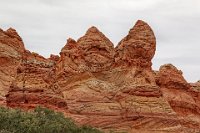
(97, 84)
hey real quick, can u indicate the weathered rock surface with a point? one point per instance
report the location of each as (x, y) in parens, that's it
(138, 47)
(99, 85)
(33, 84)
(11, 51)
(91, 53)
(196, 86)
(183, 99)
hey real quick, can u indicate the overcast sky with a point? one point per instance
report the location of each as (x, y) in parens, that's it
(45, 25)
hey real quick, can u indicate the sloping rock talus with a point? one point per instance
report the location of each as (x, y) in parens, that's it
(97, 84)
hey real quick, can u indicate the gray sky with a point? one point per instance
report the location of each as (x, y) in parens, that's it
(45, 25)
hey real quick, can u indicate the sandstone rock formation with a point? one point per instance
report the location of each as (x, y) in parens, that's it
(196, 86)
(138, 47)
(183, 99)
(33, 84)
(11, 51)
(99, 85)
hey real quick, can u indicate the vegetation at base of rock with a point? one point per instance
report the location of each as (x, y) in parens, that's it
(40, 120)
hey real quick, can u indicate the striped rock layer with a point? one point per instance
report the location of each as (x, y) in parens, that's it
(97, 84)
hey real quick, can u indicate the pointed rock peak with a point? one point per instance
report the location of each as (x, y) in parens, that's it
(142, 30)
(11, 30)
(171, 77)
(139, 44)
(92, 29)
(11, 37)
(13, 33)
(95, 37)
(71, 43)
(141, 22)
(70, 40)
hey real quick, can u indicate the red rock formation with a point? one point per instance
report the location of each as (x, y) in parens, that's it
(93, 52)
(196, 86)
(11, 51)
(33, 84)
(138, 47)
(195, 92)
(181, 97)
(99, 85)
(27, 76)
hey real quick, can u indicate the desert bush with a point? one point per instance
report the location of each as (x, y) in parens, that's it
(41, 120)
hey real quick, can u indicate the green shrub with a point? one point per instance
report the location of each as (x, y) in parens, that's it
(41, 120)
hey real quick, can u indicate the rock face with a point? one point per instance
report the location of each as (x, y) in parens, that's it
(99, 85)
(183, 99)
(138, 47)
(33, 84)
(91, 53)
(11, 51)
(196, 86)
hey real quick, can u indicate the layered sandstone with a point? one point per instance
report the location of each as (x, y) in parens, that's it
(26, 76)
(102, 86)
(11, 51)
(183, 99)
(33, 84)
(138, 47)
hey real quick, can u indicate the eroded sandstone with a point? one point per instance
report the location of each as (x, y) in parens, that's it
(99, 85)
